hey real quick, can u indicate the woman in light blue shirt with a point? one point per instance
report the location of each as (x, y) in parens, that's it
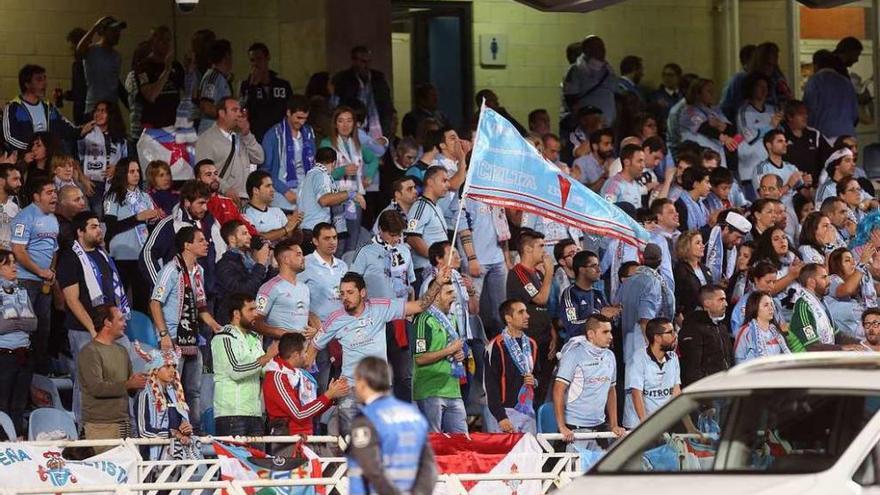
(127, 211)
(17, 322)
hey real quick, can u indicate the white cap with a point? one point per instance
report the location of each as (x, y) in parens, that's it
(738, 222)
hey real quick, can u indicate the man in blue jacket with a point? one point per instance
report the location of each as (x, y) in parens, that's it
(389, 451)
(29, 113)
(289, 152)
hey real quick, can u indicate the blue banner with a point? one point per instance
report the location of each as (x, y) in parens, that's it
(506, 170)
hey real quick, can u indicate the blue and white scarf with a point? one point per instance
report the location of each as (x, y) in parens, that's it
(139, 201)
(93, 276)
(715, 255)
(698, 215)
(288, 152)
(667, 297)
(452, 335)
(396, 268)
(522, 358)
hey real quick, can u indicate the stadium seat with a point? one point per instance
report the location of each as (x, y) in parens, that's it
(45, 394)
(7, 426)
(46, 419)
(871, 160)
(547, 419)
(140, 328)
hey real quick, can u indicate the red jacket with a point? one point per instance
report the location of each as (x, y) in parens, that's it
(224, 210)
(283, 401)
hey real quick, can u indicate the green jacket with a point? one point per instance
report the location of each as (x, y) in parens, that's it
(237, 372)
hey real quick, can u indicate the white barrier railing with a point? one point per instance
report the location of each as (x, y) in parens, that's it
(563, 468)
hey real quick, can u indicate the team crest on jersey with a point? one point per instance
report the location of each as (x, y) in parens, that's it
(531, 290)
(809, 332)
(360, 437)
(609, 198)
(421, 345)
(412, 224)
(262, 302)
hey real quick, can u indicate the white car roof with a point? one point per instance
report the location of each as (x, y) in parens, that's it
(839, 370)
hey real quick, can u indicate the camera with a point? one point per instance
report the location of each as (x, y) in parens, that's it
(257, 243)
(186, 5)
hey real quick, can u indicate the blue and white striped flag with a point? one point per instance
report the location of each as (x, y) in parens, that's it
(506, 170)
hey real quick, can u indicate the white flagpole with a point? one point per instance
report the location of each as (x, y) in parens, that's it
(461, 199)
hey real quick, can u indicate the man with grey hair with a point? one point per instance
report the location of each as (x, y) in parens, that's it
(389, 450)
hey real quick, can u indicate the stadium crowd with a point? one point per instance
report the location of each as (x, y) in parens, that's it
(306, 235)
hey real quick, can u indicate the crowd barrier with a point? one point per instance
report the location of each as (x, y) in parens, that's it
(198, 477)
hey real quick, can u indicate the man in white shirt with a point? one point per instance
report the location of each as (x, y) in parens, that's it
(270, 221)
(10, 185)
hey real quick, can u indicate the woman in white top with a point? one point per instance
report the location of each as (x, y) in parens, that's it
(817, 239)
(128, 209)
(101, 149)
(851, 290)
(702, 121)
(754, 118)
(349, 171)
(761, 335)
(773, 246)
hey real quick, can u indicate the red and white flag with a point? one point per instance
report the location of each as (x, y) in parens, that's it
(490, 453)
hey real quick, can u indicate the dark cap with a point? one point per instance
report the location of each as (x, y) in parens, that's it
(652, 255)
(114, 23)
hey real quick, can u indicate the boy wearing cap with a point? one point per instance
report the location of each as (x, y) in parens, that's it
(724, 239)
(101, 61)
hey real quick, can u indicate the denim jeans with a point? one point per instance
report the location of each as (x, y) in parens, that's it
(492, 288)
(346, 409)
(444, 415)
(16, 371)
(78, 339)
(190, 370)
(246, 426)
(42, 304)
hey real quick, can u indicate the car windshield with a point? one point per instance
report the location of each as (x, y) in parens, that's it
(774, 431)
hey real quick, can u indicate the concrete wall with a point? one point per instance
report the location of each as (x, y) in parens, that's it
(659, 31)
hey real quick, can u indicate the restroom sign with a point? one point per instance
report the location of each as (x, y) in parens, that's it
(493, 49)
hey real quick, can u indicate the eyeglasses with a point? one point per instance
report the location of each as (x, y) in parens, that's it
(871, 324)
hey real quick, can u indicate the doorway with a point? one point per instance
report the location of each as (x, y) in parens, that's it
(432, 43)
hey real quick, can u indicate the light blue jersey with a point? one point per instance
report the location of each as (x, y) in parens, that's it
(384, 276)
(168, 292)
(655, 381)
(272, 218)
(38, 232)
(322, 279)
(426, 220)
(316, 183)
(589, 372)
(283, 304)
(485, 238)
(620, 190)
(362, 335)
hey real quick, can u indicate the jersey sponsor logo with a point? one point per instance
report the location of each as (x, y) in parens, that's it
(360, 437)
(809, 332)
(658, 393)
(531, 290)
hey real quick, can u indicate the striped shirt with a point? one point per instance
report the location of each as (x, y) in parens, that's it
(236, 355)
(425, 220)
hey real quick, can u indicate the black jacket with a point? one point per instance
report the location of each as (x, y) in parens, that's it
(687, 286)
(347, 86)
(234, 278)
(705, 347)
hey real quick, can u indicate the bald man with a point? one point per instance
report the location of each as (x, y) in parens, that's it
(70, 202)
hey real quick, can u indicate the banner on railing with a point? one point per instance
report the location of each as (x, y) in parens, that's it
(488, 453)
(29, 466)
(243, 463)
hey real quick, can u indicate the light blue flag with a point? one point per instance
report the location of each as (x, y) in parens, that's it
(506, 170)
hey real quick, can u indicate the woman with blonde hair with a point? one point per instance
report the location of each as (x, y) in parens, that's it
(689, 271)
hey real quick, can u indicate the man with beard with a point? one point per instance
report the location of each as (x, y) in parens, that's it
(360, 329)
(653, 376)
(222, 208)
(811, 324)
(283, 301)
(705, 343)
(193, 211)
(242, 268)
(88, 278)
(238, 363)
(10, 186)
(871, 324)
(270, 221)
(592, 169)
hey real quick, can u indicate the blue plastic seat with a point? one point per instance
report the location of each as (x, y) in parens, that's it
(140, 327)
(547, 419)
(42, 388)
(47, 419)
(7, 426)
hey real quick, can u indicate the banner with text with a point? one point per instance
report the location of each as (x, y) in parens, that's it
(26, 466)
(505, 170)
